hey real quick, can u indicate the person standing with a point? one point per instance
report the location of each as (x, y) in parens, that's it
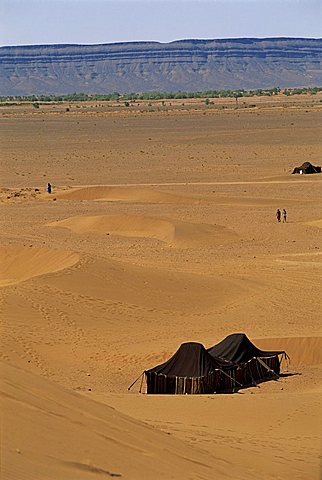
(284, 215)
(48, 188)
(278, 215)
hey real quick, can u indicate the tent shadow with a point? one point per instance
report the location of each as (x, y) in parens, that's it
(285, 375)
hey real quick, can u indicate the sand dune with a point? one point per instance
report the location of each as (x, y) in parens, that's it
(92, 321)
(302, 350)
(75, 437)
(147, 287)
(128, 194)
(180, 234)
(279, 431)
(21, 263)
(147, 194)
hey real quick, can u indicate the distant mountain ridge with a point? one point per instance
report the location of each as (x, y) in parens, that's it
(187, 65)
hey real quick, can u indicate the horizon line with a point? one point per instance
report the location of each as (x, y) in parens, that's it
(157, 41)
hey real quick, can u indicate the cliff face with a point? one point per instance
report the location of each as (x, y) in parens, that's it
(144, 66)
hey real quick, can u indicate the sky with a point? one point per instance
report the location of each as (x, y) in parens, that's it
(29, 22)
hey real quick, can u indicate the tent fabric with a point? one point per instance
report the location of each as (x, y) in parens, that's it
(190, 360)
(307, 168)
(259, 369)
(237, 348)
(172, 385)
(191, 370)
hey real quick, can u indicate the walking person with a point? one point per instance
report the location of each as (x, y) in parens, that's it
(48, 188)
(278, 215)
(284, 215)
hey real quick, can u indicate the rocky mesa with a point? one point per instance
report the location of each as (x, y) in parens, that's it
(188, 65)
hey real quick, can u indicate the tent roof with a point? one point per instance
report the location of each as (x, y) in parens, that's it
(306, 165)
(308, 168)
(190, 360)
(238, 348)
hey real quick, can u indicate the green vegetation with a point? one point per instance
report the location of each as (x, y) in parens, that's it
(125, 97)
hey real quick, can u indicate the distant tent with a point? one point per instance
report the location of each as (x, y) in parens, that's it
(257, 364)
(307, 168)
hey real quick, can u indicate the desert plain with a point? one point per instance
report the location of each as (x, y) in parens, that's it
(160, 229)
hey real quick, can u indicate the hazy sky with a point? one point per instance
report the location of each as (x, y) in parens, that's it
(25, 22)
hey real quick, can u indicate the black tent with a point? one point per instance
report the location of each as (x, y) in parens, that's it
(190, 370)
(257, 364)
(238, 348)
(233, 363)
(307, 168)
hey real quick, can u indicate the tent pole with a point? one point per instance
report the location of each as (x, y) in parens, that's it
(267, 368)
(286, 358)
(251, 376)
(141, 382)
(231, 378)
(129, 388)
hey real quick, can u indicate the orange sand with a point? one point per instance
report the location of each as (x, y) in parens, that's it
(162, 231)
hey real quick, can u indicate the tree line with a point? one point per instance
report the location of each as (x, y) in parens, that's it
(116, 96)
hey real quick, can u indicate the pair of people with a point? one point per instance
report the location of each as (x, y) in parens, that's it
(280, 214)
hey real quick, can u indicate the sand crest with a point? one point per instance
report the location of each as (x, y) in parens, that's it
(21, 263)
